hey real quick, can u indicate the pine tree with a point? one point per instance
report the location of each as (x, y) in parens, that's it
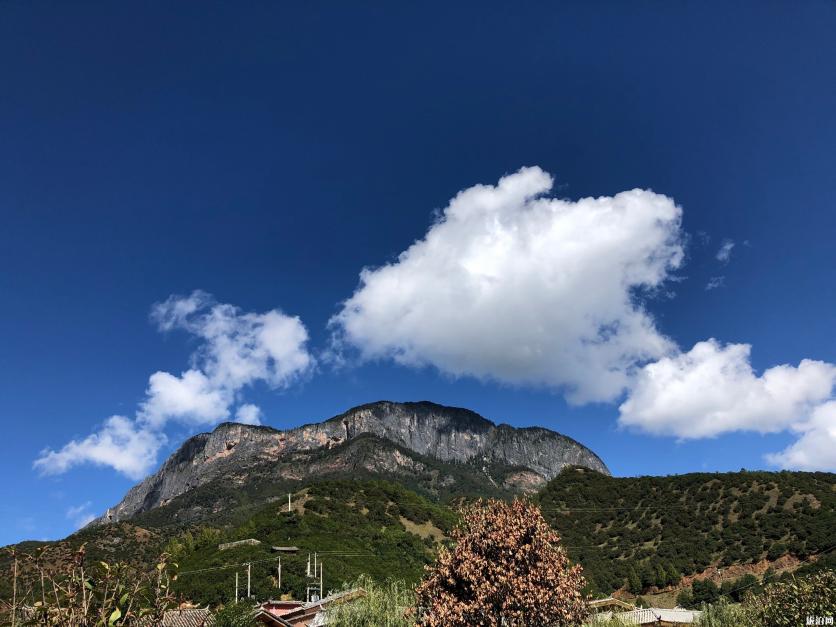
(634, 584)
(673, 574)
(661, 576)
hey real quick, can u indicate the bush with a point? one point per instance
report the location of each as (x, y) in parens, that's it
(684, 599)
(74, 592)
(724, 614)
(236, 615)
(506, 568)
(789, 603)
(704, 591)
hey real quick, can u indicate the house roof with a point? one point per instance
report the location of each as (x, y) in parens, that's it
(182, 618)
(268, 618)
(343, 595)
(314, 607)
(611, 602)
(654, 615)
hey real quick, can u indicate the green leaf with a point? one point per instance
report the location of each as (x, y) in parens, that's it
(114, 616)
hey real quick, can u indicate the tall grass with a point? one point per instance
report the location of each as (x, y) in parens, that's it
(613, 621)
(725, 614)
(383, 605)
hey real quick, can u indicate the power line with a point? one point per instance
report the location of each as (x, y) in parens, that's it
(273, 559)
(755, 583)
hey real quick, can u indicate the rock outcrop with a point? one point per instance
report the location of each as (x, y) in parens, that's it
(444, 433)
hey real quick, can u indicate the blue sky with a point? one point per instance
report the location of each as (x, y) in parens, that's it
(266, 153)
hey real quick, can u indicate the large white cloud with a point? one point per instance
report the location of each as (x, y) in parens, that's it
(816, 448)
(712, 389)
(120, 444)
(191, 397)
(517, 287)
(236, 350)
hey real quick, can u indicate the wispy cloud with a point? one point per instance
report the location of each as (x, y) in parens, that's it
(237, 349)
(724, 253)
(715, 282)
(80, 515)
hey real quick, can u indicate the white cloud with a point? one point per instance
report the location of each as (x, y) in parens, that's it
(81, 515)
(237, 349)
(715, 282)
(190, 397)
(724, 254)
(816, 448)
(248, 414)
(120, 444)
(712, 389)
(514, 286)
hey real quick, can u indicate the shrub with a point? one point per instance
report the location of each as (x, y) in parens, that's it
(239, 614)
(724, 614)
(704, 591)
(506, 568)
(72, 592)
(788, 603)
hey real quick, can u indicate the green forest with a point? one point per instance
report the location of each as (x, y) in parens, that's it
(651, 531)
(644, 533)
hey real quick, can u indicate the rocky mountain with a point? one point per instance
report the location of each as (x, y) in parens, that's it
(428, 442)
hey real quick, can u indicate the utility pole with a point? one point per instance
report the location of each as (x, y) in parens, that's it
(236, 586)
(288, 502)
(14, 594)
(314, 574)
(280, 573)
(249, 565)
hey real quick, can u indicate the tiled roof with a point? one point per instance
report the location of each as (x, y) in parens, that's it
(346, 595)
(182, 618)
(654, 615)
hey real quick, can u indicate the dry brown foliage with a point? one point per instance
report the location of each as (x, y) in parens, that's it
(505, 569)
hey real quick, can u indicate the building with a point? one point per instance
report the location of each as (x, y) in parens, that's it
(655, 616)
(231, 545)
(186, 617)
(311, 614)
(610, 604)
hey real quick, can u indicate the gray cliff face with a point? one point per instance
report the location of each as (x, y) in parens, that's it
(445, 433)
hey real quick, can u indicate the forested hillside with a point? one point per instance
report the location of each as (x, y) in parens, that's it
(644, 532)
(650, 531)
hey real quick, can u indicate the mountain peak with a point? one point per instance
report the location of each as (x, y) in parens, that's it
(233, 451)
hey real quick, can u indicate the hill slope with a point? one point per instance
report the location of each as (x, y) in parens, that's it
(616, 528)
(657, 528)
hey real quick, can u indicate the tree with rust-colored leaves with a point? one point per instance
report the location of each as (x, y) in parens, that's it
(506, 569)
